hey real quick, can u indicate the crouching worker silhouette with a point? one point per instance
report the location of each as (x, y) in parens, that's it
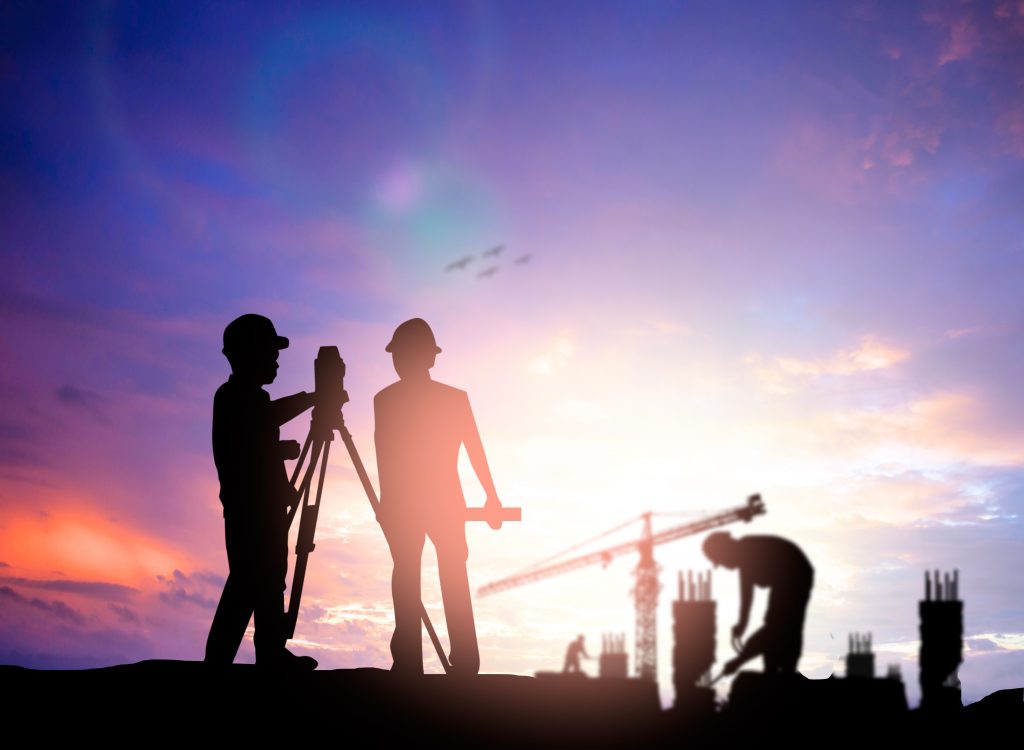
(780, 566)
(256, 493)
(420, 425)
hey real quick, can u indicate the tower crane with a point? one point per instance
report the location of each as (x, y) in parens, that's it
(647, 587)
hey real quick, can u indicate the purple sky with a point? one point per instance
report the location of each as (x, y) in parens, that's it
(773, 247)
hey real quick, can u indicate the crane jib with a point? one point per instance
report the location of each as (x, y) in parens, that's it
(753, 507)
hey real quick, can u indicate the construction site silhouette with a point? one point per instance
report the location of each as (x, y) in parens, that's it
(420, 427)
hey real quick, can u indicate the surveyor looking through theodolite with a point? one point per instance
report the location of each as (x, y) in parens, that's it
(255, 493)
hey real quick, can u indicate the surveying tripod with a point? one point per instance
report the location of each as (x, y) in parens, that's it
(329, 375)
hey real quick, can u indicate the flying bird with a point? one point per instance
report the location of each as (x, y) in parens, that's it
(459, 264)
(523, 259)
(494, 252)
(487, 272)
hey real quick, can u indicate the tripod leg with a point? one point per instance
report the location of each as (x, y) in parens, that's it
(302, 457)
(441, 655)
(371, 495)
(357, 463)
(303, 489)
(307, 529)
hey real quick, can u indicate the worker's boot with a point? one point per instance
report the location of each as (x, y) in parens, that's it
(285, 661)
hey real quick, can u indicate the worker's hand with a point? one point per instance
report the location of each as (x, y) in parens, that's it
(731, 666)
(491, 507)
(290, 449)
(290, 497)
(737, 636)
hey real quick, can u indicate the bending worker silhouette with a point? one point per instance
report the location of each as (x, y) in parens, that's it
(420, 425)
(781, 566)
(256, 493)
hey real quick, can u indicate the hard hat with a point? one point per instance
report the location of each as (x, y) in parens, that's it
(413, 334)
(251, 332)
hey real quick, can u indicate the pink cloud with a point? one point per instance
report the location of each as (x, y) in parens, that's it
(850, 159)
(963, 37)
(1011, 13)
(1010, 125)
(955, 333)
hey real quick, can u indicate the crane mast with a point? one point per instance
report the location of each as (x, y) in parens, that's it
(645, 594)
(647, 587)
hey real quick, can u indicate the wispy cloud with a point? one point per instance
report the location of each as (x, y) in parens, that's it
(555, 358)
(962, 36)
(80, 398)
(93, 589)
(125, 614)
(57, 609)
(870, 354)
(785, 374)
(955, 333)
(198, 590)
(1010, 125)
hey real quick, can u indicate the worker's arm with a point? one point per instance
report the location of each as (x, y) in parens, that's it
(746, 597)
(287, 408)
(475, 450)
(383, 454)
(754, 647)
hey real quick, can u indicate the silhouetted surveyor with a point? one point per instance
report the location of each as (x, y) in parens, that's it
(256, 493)
(779, 565)
(573, 654)
(419, 426)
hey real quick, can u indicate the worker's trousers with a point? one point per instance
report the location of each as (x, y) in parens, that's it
(406, 545)
(257, 563)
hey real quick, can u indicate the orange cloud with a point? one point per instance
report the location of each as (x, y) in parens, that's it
(869, 355)
(947, 426)
(75, 542)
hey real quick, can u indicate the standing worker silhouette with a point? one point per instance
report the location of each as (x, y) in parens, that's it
(255, 492)
(782, 567)
(420, 425)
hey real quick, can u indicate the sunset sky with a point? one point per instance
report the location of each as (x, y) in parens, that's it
(773, 247)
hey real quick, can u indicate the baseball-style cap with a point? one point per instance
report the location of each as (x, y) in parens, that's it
(252, 332)
(413, 334)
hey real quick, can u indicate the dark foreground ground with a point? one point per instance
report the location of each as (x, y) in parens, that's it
(178, 702)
